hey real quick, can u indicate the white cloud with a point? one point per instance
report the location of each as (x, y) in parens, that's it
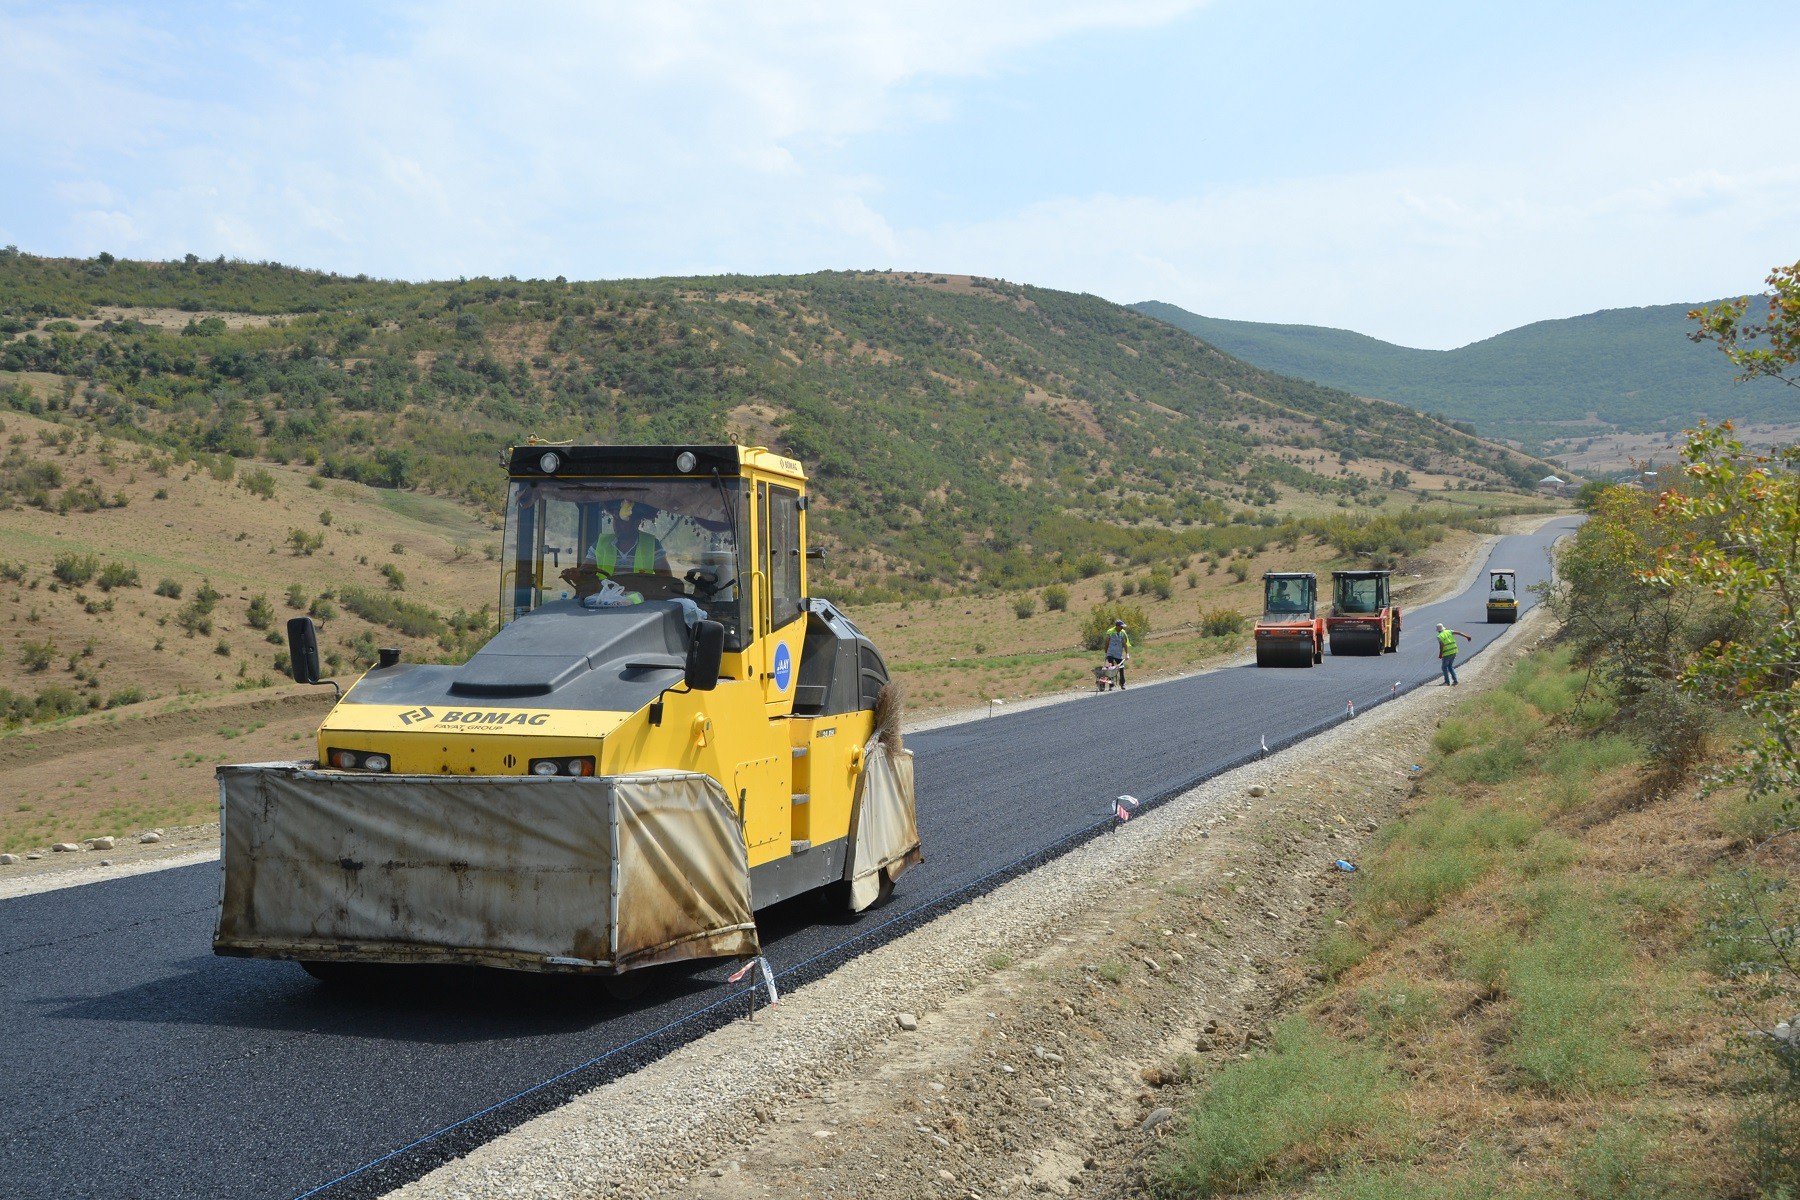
(673, 136)
(561, 139)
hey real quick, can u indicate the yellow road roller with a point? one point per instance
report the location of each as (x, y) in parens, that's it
(1503, 597)
(665, 735)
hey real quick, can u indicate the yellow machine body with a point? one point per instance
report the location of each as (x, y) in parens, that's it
(592, 682)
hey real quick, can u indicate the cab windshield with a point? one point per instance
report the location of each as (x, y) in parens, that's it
(1288, 596)
(1359, 595)
(617, 541)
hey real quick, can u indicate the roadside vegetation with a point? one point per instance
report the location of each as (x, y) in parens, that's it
(1529, 994)
(1572, 969)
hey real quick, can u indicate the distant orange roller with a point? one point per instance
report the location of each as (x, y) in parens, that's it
(1290, 633)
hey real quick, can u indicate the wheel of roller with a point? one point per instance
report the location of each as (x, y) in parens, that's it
(1266, 655)
(1355, 643)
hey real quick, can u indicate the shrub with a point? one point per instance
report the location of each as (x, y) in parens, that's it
(37, 656)
(259, 483)
(402, 616)
(1056, 598)
(124, 696)
(1222, 622)
(260, 613)
(76, 569)
(207, 596)
(1240, 570)
(169, 588)
(193, 618)
(304, 543)
(1025, 606)
(1101, 617)
(1161, 583)
(322, 609)
(396, 578)
(117, 575)
(296, 596)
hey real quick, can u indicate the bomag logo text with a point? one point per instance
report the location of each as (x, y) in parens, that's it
(491, 716)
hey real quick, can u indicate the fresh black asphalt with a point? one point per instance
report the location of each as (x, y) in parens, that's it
(138, 1065)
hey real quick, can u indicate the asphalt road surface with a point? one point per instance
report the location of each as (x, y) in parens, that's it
(136, 1064)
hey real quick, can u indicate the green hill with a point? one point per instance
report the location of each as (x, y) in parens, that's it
(1630, 368)
(963, 431)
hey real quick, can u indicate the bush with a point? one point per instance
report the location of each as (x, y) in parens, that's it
(259, 483)
(117, 575)
(260, 613)
(193, 618)
(169, 588)
(1101, 617)
(304, 543)
(1240, 570)
(1056, 598)
(1162, 583)
(1025, 606)
(124, 696)
(396, 578)
(207, 596)
(296, 596)
(76, 569)
(37, 656)
(1222, 622)
(322, 609)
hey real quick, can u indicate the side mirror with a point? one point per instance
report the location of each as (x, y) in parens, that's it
(303, 649)
(706, 654)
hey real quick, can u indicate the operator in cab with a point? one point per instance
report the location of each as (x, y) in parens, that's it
(625, 546)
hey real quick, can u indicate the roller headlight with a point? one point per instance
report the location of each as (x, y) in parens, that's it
(548, 461)
(357, 760)
(563, 766)
(684, 462)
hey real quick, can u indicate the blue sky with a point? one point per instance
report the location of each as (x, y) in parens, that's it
(1429, 173)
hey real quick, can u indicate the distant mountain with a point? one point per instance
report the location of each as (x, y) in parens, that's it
(1631, 368)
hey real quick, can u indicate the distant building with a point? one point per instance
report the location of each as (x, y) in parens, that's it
(1554, 484)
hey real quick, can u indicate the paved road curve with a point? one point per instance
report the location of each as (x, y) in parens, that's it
(138, 1065)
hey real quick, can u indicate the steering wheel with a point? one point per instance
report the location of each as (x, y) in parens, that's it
(703, 581)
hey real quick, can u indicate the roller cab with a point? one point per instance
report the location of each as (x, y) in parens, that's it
(1503, 597)
(664, 735)
(1363, 617)
(1290, 632)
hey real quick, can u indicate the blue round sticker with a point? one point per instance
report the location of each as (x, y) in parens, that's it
(784, 666)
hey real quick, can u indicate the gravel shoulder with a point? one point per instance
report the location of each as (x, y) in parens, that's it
(1021, 1043)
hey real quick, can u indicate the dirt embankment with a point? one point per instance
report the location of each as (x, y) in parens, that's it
(1025, 1043)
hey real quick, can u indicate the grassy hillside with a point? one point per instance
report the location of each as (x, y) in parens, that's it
(192, 452)
(962, 431)
(1630, 369)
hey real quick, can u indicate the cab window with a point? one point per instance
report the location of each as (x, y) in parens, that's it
(783, 567)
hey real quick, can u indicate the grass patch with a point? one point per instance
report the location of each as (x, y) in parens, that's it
(1436, 853)
(1570, 981)
(1302, 1107)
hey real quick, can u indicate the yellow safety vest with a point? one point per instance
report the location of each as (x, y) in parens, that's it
(643, 556)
